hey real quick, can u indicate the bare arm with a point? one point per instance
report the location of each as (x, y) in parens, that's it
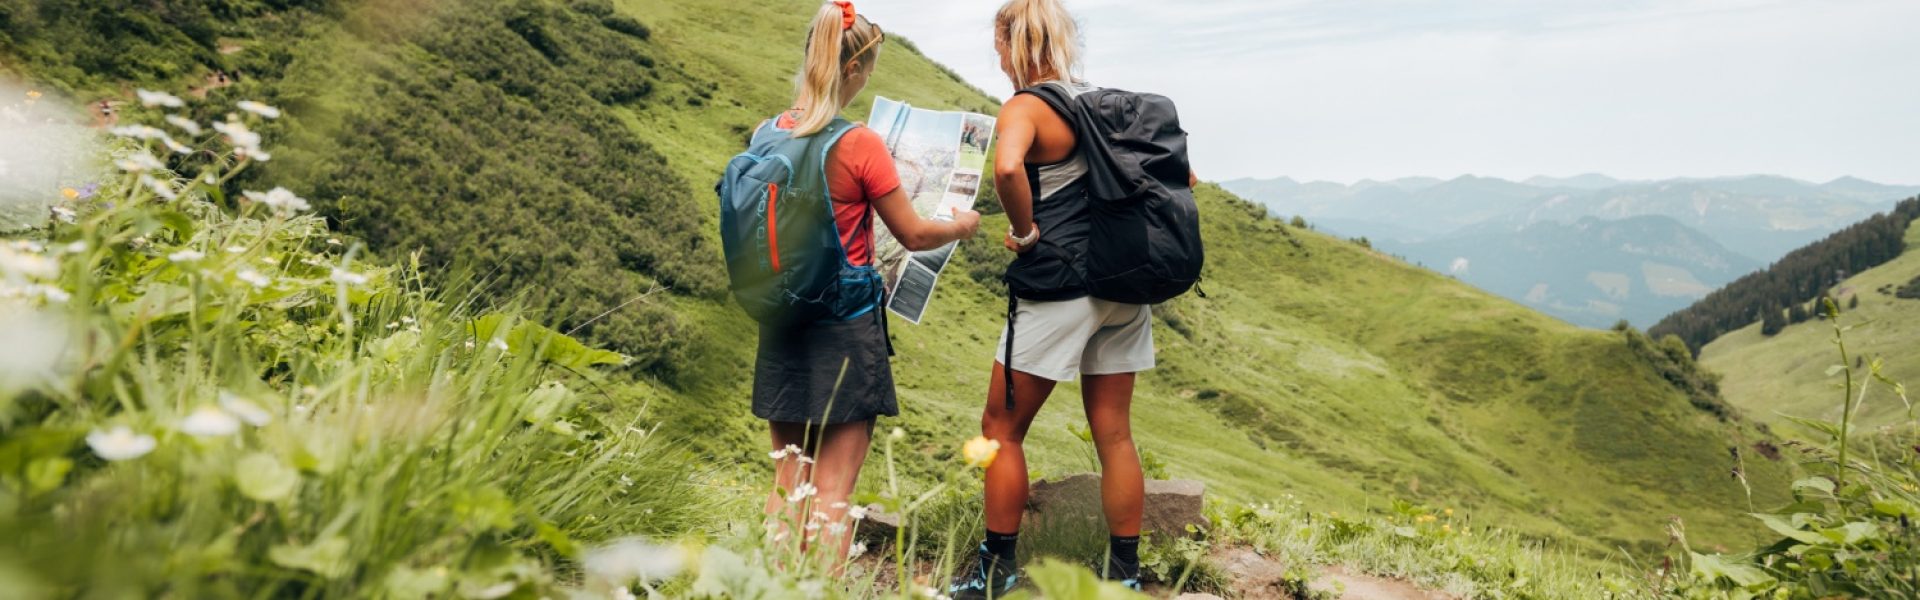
(916, 233)
(1014, 138)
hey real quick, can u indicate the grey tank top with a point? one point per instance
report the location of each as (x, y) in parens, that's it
(1052, 178)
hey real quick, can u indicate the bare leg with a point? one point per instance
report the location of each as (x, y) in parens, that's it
(1006, 478)
(788, 473)
(841, 452)
(1109, 400)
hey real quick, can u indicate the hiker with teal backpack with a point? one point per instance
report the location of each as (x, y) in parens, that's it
(1099, 197)
(796, 223)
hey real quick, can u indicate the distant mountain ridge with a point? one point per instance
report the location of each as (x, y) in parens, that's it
(1591, 272)
(1751, 220)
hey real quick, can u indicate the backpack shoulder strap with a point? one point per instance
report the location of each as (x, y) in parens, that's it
(1055, 97)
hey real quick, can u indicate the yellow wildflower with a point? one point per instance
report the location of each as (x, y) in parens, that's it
(33, 94)
(980, 451)
(1449, 512)
(69, 193)
(1447, 528)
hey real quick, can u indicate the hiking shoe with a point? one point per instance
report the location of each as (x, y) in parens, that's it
(1126, 574)
(990, 577)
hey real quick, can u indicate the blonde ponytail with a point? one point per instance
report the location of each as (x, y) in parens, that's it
(1043, 42)
(831, 47)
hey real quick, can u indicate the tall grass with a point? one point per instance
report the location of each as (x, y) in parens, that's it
(224, 403)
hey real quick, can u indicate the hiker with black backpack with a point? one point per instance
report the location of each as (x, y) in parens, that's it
(796, 223)
(1098, 192)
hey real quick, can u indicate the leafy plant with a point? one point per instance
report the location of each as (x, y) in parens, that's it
(1848, 531)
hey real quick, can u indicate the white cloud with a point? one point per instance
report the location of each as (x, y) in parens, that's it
(1344, 89)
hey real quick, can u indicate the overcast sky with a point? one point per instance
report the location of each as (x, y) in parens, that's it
(1349, 89)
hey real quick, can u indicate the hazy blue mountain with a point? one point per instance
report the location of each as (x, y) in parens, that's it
(1745, 222)
(1591, 272)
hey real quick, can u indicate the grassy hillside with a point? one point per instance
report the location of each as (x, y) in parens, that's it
(569, 155)
(1315, 367)
(1784, 375)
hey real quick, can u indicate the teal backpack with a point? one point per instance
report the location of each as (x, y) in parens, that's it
(782, 246)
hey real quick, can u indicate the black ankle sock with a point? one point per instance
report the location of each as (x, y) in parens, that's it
(1125, 549)
(1001, 544)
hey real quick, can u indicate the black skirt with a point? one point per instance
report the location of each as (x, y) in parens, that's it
(824, 373)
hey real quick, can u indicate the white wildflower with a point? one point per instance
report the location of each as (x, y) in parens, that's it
(407, 320)
(813, 526)
(280, 200)
(253, 278)
(209, 421)
(626, 560)
(333, 241)
(187, 125)
(801, 492)
(393, 324)
(186, 256)
(857, 513)
(177, 147)
(160, 188)
(898, 433)
(235, 249)
(498, 344)
(140, 162)
(258, 109)
(345, 277)
(806, 460)
(138, 132)
(777, 454)
(151, 99)
(268, 260)
(836, 529)
(856, 550)
(54, 294)
(76, 247)
(244, 140)
(66, 215)
(493, 592)
(120, 444)
(249, 412)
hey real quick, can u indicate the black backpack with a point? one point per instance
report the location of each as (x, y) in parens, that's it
(1142, 243)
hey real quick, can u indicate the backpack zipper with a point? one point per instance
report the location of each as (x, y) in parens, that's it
(773, 231)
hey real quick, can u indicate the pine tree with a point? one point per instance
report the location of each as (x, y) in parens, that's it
(1771, 321)
(1854, 303)
(1798, 314)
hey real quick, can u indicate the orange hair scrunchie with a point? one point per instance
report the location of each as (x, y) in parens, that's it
(846, 14)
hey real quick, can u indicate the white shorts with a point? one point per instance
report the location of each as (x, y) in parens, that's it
(1087, 336)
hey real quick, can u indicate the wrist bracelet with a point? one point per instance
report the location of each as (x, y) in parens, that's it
(1032, 236)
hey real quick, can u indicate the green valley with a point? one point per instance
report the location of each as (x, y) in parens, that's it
(1785, 375)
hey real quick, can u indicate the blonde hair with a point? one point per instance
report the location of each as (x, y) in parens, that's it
(1043, 42)
(831, 48)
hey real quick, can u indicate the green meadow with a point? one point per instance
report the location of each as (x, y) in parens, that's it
(551, 163)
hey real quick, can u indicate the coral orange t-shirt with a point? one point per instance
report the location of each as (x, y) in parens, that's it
(859, 171)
